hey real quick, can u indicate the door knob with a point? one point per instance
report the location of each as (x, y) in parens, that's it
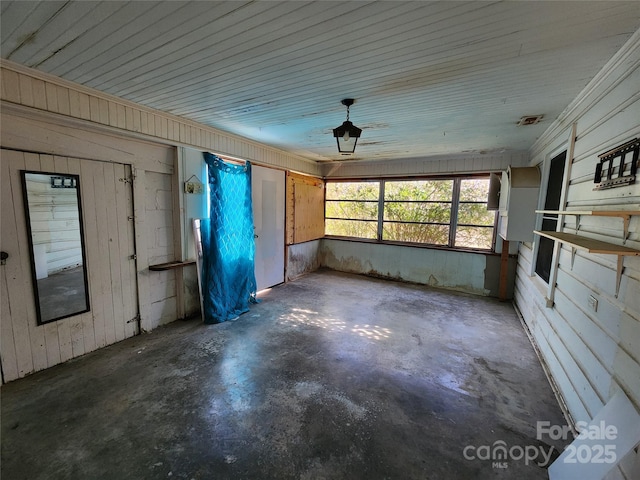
(3, 257)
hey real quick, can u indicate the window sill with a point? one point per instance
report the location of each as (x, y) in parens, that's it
(413, 245)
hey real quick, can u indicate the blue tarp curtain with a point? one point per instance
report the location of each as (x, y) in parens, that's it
(228, 246)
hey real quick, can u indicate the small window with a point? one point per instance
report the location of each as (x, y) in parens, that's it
(475, 223)
(351, 209)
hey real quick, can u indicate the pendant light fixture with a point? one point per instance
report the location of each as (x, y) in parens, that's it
(347, 134)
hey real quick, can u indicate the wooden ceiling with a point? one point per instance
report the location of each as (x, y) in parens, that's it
(429, 78)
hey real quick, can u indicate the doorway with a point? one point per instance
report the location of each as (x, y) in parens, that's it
(268, 195)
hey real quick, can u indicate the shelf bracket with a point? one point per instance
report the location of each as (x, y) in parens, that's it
(625, 235)
(577, 223)
(573, 255)
(619, 271)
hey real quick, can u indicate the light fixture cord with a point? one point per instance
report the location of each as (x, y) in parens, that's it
(348, 112)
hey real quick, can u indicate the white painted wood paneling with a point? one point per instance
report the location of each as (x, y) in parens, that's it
(462, 163)
(592, 354)
(28, 347)
(160, 247)
(96, 114)
(429, 77)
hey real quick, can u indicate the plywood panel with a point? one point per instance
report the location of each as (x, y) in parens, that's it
(309, 212)
(304, 208)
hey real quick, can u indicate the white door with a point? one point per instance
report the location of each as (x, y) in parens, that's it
(268, 195)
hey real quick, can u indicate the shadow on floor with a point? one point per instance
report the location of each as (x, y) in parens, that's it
(333, 376)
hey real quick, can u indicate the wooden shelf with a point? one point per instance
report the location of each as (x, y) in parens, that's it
(594, 213)
(625, 215)
(170, 265)
(590, 245)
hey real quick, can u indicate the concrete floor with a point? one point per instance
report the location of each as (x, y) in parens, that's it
(333, 376)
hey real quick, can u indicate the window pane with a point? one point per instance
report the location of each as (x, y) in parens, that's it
(411, 232)
(417, 212)
(474, 190)
(475, 214)
(351, 228)
(352, 210)
(435, 190)
(353, 190)
(474, 237)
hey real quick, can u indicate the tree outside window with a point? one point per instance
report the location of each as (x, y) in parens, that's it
(446, 212)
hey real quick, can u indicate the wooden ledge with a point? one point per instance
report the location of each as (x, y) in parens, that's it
(171, 265)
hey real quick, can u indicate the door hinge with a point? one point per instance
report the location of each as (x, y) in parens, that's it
(131, 217)
(127, 179)
(133, 257)
(134, 319)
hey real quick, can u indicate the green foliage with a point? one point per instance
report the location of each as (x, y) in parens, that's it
(353, 191)
(416, 211)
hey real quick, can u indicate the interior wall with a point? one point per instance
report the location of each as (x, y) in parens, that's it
(428, 165)
(161, 248)
(45, 114)
(302, 258)
(113, 274)
(192, 206)
(591, 353)
(477, 273)
(468, 272)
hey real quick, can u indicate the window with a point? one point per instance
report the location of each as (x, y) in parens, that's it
(450, 212)
(351, 209)
(550, 221)
(475, 223)
(417, 211)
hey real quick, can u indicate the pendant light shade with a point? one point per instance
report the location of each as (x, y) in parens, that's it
(347, 134)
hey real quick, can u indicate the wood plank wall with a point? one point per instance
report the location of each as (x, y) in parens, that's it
(48, 115)
(107, 212)
(591, 354)
(43, 92)
(433, 165)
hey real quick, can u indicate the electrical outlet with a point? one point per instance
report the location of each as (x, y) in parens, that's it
(593, 303)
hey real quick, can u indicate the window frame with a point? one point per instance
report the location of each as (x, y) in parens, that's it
(453, 224)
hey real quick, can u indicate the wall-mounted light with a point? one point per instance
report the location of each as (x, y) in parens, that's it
(347, 134)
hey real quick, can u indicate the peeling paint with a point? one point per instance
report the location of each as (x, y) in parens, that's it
(452, 270)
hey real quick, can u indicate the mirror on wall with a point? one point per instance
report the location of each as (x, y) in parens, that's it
(54, 224)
